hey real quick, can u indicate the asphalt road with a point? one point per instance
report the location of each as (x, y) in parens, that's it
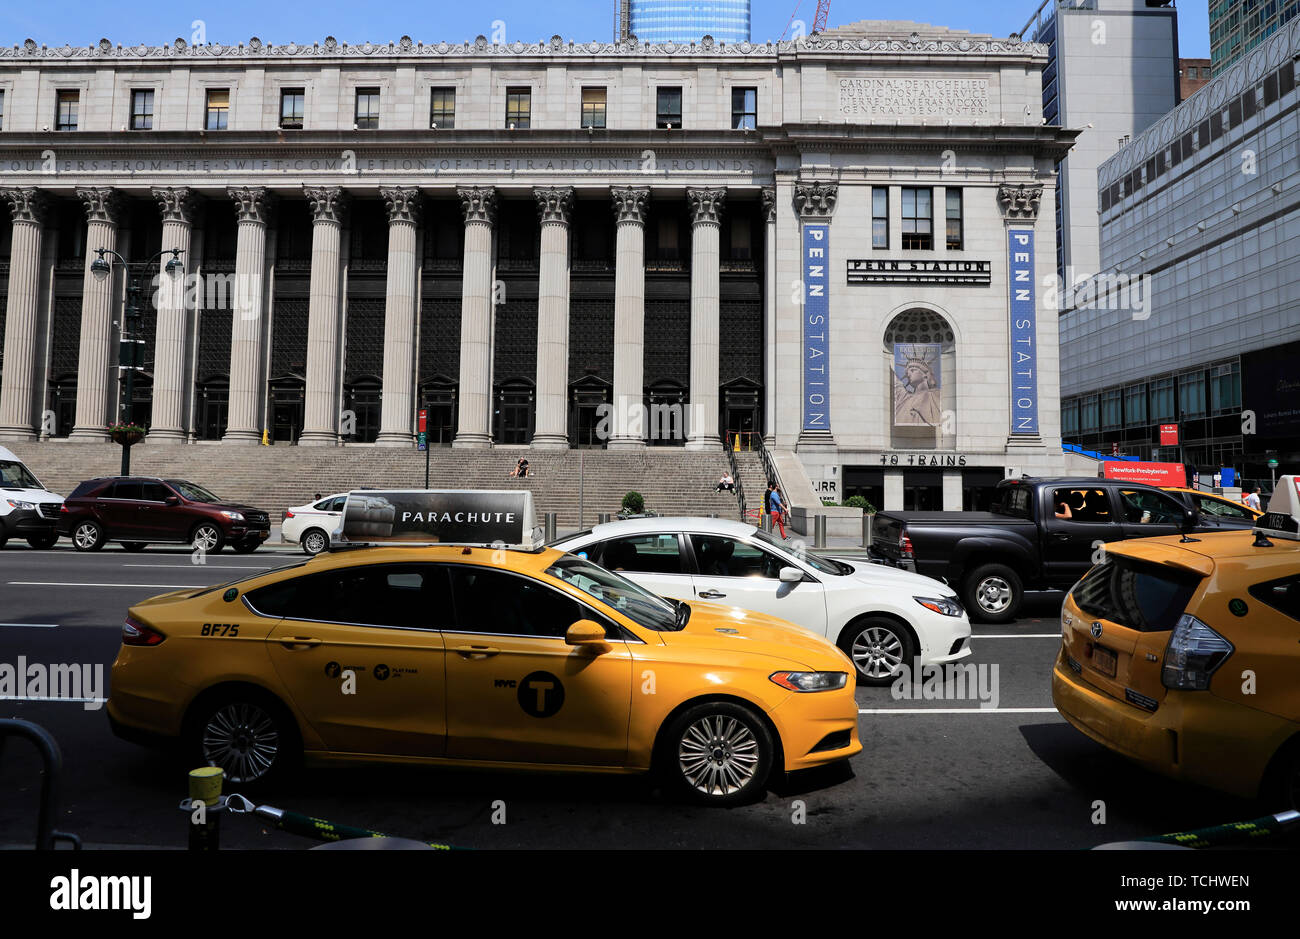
(1016, 776)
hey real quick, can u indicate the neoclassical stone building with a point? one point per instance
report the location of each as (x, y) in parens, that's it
(834, 243)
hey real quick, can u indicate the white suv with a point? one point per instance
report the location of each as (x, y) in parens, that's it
(882, 617)
(27, 509)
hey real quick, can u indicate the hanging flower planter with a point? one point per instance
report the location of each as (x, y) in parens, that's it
(126, 435)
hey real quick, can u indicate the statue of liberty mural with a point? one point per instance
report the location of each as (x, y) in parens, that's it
(916, 384)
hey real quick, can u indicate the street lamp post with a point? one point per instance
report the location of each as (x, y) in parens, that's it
(130, 357)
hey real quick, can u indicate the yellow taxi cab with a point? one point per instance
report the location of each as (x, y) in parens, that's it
(1213, 506)
(466, 653)
(1181, 654)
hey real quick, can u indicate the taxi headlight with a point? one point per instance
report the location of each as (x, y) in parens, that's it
(810, 681)
(945, 606)
(19, 504)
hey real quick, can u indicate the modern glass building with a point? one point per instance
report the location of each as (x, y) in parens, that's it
(1196, 318)
(1237, 26)
(687, 21)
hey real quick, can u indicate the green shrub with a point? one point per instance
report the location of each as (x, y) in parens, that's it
(860, 502)
(634, 503)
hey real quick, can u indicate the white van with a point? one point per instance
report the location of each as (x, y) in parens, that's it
(27, 509)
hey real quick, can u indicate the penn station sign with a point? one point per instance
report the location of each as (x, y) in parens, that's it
(966, 98)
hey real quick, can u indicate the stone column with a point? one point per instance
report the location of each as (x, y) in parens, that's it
(629, 319)
(96, 361)
(769, 317)
(169, 357)
(706, 226)
(29, 207)
(555, 208)
(474, 428)
(321, 424)
(395, 427)
(248, 321)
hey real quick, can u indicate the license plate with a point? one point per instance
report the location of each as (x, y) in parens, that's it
(1103, 660)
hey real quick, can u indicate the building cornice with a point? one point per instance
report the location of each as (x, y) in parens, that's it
(406, 50)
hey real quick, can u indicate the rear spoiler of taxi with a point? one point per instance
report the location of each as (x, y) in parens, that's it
(1164, 555)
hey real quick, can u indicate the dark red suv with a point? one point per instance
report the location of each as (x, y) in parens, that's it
(143, 510)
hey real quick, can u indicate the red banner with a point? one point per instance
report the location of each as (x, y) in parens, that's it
(424, 417)
(1168, 435)
(1153, 474)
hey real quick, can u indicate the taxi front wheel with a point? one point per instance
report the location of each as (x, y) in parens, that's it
(247, 733)
(717, 753)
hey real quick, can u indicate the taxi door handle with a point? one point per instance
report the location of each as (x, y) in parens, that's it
(711, 594)
(470, 652)
(300, 642)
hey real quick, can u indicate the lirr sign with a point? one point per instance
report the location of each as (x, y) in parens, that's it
(1024, 333)
(816, 319)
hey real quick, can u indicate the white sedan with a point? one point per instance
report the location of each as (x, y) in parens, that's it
(882, 617)
(309, 526)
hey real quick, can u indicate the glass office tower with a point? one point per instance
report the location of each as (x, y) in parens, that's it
(687, 21)
(1237, 26)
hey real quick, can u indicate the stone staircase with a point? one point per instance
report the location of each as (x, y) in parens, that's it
(672, 480)
(749, 464)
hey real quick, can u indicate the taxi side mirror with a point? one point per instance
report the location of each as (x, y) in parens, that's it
(1190, 520)
(791, 575)
(587, 634)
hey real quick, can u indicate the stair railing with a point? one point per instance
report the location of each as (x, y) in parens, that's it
(735, 476)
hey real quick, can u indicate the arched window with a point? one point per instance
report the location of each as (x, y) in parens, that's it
(920, 351)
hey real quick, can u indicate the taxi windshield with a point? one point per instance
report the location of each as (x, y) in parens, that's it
(634, 602)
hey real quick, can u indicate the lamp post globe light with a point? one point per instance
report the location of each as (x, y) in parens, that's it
(130, 359)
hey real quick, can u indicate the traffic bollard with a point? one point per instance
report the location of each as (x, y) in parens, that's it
(552, 519)
(819, 531)
(204, 808)
(866, 530)
(602, 518)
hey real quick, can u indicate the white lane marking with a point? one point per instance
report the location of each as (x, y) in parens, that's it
(956, 710)
(186, 567)
(1016, 636)
(32, 625)
(5, 697)
(59, 583)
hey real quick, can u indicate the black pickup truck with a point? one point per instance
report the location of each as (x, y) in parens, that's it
(1042, 534)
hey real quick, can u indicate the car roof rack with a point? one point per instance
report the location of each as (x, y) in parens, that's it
(469, 518)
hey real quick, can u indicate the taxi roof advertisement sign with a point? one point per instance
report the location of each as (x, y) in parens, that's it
(439, 516)
(1153, 474)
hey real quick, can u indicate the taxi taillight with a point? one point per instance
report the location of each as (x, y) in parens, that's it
(136, 633)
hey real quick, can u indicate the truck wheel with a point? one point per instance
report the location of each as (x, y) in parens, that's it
(993, 593)
(41, 542)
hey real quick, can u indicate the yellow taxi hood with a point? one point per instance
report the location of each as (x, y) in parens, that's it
(1166, 552)
(726, 628)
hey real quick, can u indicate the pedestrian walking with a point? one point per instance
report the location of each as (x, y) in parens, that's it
(777, 505)
(1251, 499)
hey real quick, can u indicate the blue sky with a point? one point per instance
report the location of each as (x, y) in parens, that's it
(55, 22)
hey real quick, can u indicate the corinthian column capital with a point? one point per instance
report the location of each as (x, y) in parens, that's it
(103, 204)
(252, 203)
(630, 203)
(328, 203)
(554, 204)
(478, 203)
(27, 204)
(177, 204)
(403, 203)
(706, 205)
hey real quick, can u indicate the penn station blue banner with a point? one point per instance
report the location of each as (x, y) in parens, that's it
(1024, 333)
(816, 321)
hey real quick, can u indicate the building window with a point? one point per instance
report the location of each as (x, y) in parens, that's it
(519, 108)
(367, 116)
(142, 110)
(1111, 410)
(1191, 394)
(880, 217)
(292, 105)
(918, 219)
(442, 108)
(1225, 388)
(2, 109)
(953, 211)
(593, 107)
(218, 108)
(668, 108)
(1162, 400)
(1088, 415)
(744, 108)
(1135, 406)
(65, 115)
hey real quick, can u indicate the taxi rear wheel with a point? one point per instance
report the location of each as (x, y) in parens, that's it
(246, 732)
(717, 753)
